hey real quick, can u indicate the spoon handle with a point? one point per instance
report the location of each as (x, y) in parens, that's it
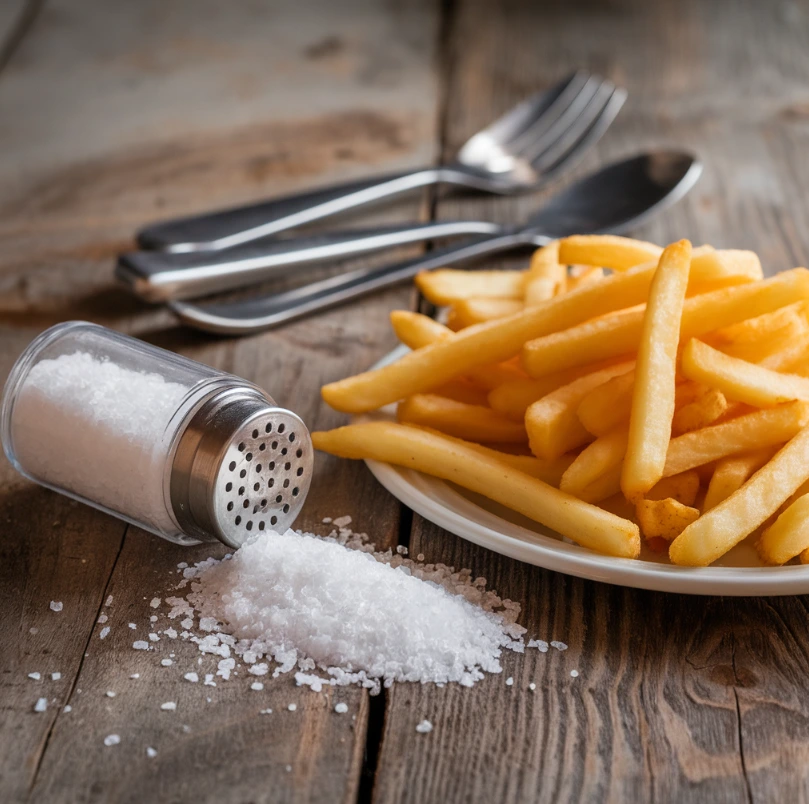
(233, 227)
(253, 315)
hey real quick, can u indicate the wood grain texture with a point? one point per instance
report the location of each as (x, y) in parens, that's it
(144, 111)
(677, 699)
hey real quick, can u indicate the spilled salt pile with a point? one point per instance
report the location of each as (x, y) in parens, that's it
(346, 616)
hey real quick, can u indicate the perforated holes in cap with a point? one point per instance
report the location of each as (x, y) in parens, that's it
(273, 487)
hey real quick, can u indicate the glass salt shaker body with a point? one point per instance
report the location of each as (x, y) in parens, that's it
(173, 446)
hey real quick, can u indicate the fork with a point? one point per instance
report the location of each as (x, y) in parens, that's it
(520, 151)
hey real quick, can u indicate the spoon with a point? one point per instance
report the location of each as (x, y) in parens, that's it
(613, 199)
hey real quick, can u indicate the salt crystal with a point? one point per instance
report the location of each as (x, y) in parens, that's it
(182, 565)
(192, 677)
(169, 706)
(104, 631)
(110, 694)
(41, 705)
(55, 676)
(326, 520)
(532, 686)
(112, 739)
(409, 622)
(153, 618)
(342, 521)
(135, 675)
(341, 708)
(170, 633)
(288, 768)
(558, 645)
(187, 623)
(55, 605)
(108, 601)
(425, 727)
(540, 644)
(64, 399)
(292, 707)
(102, 618)
(256, 685)
(68, 708)
(166, 662)
(209, 682)
(140, 645)
(260, 711)
(259, 669)
(154, 637)
(35, 676)
(154, 602)
(574, 673)
(150, 752)
(224, 667)
(133, 626)
(509, 681)
(33, 630)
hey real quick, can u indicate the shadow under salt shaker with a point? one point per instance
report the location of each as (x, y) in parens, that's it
(178, 448)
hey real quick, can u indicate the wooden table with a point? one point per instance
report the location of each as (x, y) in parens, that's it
(114, 114)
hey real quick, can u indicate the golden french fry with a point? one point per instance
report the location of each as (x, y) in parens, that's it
(732, 473)
(462, 390)
(724, 526)
(745, 339)
(604, 487)
(619, 334)
(470, 422)
(441, 457)
(546, 277)
(468, 312)
(790, 354)
(595, 460)
(653, 394)
(788, 536)
(491, 376)
(683, 488)
(416, 330)
(587, 276)
(491, 342)
(607, 251)
(763, 428)
(607, 405)
(448, 285)
(740, 380)
(664, 519)
(707, 408)
(552, 424)
(711, 264)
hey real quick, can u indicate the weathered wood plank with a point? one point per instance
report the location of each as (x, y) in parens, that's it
(678, 699)
(147, 111)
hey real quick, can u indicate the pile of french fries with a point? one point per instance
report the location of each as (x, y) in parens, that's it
(615, 391)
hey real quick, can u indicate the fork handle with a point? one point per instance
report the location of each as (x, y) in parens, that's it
(158, 276)
(233, 227)
(254, 315)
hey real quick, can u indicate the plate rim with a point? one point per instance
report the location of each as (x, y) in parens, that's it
(424, 494)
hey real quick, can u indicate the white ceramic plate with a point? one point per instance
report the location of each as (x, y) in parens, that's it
(490, 525)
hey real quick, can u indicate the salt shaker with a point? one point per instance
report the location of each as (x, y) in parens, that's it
(178, 448)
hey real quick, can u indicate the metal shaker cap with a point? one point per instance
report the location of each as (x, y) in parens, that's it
(242, 466)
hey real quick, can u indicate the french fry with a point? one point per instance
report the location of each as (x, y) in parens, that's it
(683, 488)
(608, 405)
(788, 536)
(712, 265)
(469, 422)
(607, 251)
(446, 286)
(416, 330)
(604, 487)
(586, 276)
(732, 473)
(468, 312)
(724, 526)
(514, 397)
(619, 334)
(491, 342)
(745, 339)
(707, 408)
(739, 380)
(751, 431)
(546, 277)
(791, 354)
(653, 394)
(594, 460)
(461, 390)
(441, 457)
(664, 519)
(552, 424)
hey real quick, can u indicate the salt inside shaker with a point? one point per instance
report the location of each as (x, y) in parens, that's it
(178, 448)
